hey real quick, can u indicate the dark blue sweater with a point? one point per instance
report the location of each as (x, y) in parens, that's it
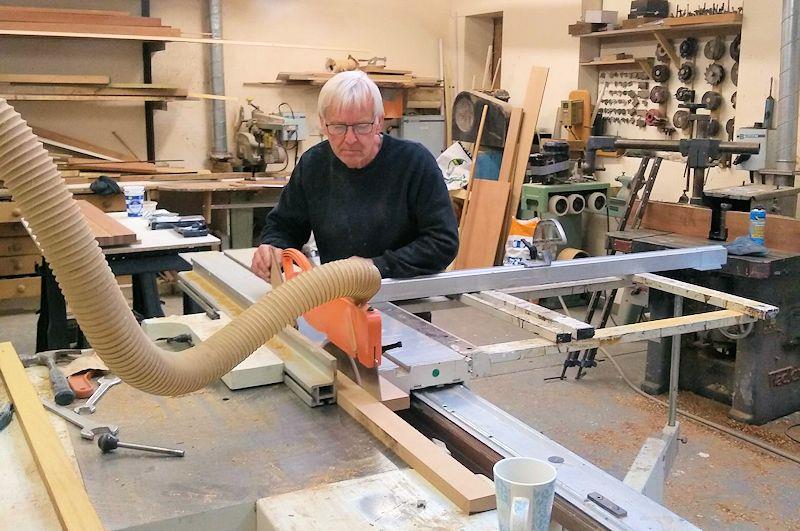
(396, 210)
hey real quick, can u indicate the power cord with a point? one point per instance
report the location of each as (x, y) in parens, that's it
(733, 433)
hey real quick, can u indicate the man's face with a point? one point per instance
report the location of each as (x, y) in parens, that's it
(358, 145)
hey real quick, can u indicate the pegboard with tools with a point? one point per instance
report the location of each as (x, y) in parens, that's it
(695, 65)
(624, 98)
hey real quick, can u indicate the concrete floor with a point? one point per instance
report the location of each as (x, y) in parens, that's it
(716, 483)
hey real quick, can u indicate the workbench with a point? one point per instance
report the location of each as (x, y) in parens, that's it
(752, 382)
(240, 447)
(234, 200)
(156, 251)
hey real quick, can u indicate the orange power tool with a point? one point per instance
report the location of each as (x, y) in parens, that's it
(354, 328)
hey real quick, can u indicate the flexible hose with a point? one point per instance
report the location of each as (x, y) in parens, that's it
(99, 306)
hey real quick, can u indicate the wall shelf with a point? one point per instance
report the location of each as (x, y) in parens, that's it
(648, 32)
(645, 64)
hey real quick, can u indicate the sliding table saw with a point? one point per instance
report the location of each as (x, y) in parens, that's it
(436, 367)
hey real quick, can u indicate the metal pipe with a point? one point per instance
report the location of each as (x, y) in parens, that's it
(219, 149)
(789, 87)
(674, 367)
(675, 145)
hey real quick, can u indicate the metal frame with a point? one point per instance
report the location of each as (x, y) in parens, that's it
(499, 278)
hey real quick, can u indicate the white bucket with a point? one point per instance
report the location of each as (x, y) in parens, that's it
(134, 200)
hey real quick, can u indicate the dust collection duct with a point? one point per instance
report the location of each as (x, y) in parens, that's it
(88, 285)
(789, 88)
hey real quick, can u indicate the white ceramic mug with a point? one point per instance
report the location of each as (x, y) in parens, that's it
(525, 488)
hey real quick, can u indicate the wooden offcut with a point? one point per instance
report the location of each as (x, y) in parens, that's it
(472, 493)
(54, 79)
(65, 488)
(107, 231)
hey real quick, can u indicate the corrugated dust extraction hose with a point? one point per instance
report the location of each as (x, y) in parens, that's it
(99, 306)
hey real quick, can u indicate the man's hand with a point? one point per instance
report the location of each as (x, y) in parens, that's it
(264, 260)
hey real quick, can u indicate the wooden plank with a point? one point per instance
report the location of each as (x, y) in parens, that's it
(18, 288)
(392, 396)
(77, 145)
(44, 88)
(90, 97)
(53, 79)
(19, 265)
(107, 231)
(483, 224)
(66, 17)
(65, 488)
(17, 246)
(575, 328)
(161, 31)
(106, 203)
(756, 309)
(472, 493)
(541, 327)
(782, 232)
(531, 107)
(60, 10)
(647, 331)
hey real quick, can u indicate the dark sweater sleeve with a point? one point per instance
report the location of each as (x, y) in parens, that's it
(288, 225)
(436, 244)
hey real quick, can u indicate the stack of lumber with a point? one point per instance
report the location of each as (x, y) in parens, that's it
(31, 20)
(382, 77)
(45, 87)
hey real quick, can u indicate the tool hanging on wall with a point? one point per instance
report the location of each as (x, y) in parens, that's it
(659, 94)
(735, 74)
(688, 48)
(681, 120)
(733, 100)
(712, 100)
(661, 73)
(661, 54)
(735, 46)
(715, 74)
(715, 49)
(685, 95)
(730, 126)
(686, 72)
(654, 118)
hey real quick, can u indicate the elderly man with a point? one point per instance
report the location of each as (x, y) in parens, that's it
(363, 193)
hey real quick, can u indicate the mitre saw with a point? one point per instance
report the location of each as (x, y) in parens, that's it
(258, 139)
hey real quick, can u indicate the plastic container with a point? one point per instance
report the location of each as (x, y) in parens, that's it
(134, 200)
(758, 225)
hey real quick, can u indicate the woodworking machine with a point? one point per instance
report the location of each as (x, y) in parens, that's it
(435, 367)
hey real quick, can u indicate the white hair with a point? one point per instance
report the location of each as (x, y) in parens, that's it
(347, 90)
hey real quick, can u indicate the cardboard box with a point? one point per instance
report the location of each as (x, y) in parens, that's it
(600, 16)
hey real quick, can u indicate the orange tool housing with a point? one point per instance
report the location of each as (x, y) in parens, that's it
(354, 328)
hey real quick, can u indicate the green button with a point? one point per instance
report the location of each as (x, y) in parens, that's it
(435, 373)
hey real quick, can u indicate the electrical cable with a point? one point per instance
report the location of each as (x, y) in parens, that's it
(733, 433)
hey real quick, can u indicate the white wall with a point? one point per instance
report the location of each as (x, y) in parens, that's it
(534, 34)
(406, 31)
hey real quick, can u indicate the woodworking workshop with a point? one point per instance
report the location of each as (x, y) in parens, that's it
(287, 265)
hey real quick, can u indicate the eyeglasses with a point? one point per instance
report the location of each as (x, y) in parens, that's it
(341, 129)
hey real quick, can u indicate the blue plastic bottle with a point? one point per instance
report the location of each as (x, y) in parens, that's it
(758, 225)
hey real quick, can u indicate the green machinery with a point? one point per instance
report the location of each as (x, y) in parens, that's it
(565, 202)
